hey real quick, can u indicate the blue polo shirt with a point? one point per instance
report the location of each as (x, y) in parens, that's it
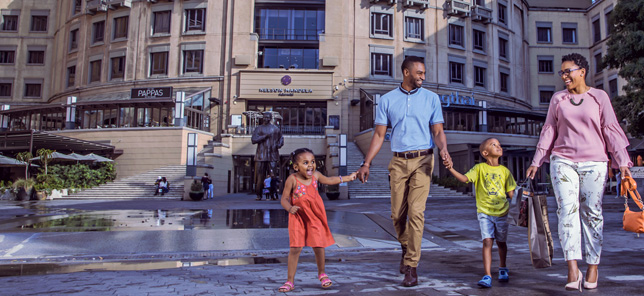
(410, 114)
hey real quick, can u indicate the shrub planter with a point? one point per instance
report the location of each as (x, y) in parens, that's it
(196, 195)
(333, 195)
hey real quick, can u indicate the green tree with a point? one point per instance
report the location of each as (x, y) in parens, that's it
(25, 157)
(45, 156)
(626, 52)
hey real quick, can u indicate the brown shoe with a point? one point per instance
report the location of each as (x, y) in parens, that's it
(403, 268)
(411, 278)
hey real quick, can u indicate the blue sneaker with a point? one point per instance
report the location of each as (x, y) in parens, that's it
(504, 274)
(486, 282)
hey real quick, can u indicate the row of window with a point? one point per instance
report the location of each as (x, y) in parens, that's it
(195, 22)
(34, 57)
(546, 63)
(10, 21)
(568, 32)
(192, 64)
(457, 40)
(31, 90)
(547, 91)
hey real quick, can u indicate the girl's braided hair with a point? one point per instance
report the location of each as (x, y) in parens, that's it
(295, 154)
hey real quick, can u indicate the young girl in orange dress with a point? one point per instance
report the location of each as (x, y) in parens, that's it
(307, 224)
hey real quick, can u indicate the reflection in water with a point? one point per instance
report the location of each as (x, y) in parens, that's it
(120, 220)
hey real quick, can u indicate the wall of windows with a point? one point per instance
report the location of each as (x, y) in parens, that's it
(289, 24)
(297, 119)
(289, 57)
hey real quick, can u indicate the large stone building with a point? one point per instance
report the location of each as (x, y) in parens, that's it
(159, 79)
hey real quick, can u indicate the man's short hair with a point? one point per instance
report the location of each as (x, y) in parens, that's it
(410, 60)
(483, 145)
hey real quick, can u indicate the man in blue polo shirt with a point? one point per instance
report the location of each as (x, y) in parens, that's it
(412, 112)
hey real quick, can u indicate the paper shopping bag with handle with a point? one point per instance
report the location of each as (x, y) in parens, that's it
(633, 221)
(518, 213)
(539, 236)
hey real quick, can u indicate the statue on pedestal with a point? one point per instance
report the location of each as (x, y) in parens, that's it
(269, 140)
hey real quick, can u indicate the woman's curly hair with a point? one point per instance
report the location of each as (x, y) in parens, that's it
(576, 58)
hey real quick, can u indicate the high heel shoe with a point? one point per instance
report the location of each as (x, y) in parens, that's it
(576, 285)
(590, 286)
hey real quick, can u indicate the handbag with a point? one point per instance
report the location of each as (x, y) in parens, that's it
(539, 235)
(518, 212)
(633, 221)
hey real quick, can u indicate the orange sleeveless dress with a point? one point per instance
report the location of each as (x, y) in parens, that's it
(308, 227)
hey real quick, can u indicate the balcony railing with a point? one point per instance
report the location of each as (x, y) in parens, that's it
(288, 34)
(481, 13)
(458, 8)
(94, 6)
(119, 3)
(422, 4)
(390, 2)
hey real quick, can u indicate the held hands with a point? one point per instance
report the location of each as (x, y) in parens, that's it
(351, 177)
(625, 172)
(293, 209)
(532, 170)
(363, 174)
(447, 159)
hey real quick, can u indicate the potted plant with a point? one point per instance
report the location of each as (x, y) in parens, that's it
(196, 191)
(25, 157)
(332, 192)
(24, 188)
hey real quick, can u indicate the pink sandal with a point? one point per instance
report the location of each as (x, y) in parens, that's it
(287, 287)
(324, 279)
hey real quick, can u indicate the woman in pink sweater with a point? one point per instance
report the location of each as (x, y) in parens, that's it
(580, 127)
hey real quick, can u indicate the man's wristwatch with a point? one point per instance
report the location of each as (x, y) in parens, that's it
(364, 164)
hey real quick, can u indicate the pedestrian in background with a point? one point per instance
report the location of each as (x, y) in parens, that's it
(205, 183)
(275, 185)
(307, 223)
(494, 184)
(580, 127)
(416, 119)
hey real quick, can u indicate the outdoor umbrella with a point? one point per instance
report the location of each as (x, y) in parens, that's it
(61, 157)
(11, 162)
(97, 158)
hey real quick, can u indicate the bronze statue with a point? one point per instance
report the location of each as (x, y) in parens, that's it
(269, 140)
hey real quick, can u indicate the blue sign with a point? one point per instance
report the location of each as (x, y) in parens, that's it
(456, 99)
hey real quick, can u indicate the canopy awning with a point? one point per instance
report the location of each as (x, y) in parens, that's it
(18, 141)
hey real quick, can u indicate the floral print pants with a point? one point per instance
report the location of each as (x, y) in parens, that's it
(579, 189)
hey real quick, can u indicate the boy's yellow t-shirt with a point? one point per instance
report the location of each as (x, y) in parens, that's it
(491, 183)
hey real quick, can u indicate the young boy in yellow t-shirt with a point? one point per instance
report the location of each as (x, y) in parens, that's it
(494, 184)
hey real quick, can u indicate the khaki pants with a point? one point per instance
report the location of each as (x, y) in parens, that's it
(410, 179)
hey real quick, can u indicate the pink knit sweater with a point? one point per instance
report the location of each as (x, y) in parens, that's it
(584, 132)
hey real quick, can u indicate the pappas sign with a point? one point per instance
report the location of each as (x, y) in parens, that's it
(152, 92)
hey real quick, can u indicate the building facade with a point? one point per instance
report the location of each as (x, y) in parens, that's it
(125, 70)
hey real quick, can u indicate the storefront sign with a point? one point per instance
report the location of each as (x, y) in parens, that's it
(285, 84)
(152, 92)
(456, 99)
(286, 91)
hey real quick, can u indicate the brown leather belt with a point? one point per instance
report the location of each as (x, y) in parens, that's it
(413, 154)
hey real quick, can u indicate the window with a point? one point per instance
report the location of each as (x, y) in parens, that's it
(161, 22)
(5, 89)
(290, 24)
(381, 25)
(609, 22)
(98, 32)
(7, 56)
(596, 30)
(32, 90)
(76, 7)
(544, 32)
(502, 11)
(479, 76)
(456, 35)
(36, 57)
(297, 118)
(159, 63)
(599, 84)
(193, 61)
(546, 64)
(95, 71)
(195, 20)
(118, 67)
(479, 40)
(569, 35)
(290, 57)
(598, 62)
(414, 28)
(545, 94)
(504, 79)
(456, 72)
(381, 64)
(9, 23)
(71, 76)
(612, 88)
(503, 48)
(73, 40)
(39, 23)
(120, 27)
